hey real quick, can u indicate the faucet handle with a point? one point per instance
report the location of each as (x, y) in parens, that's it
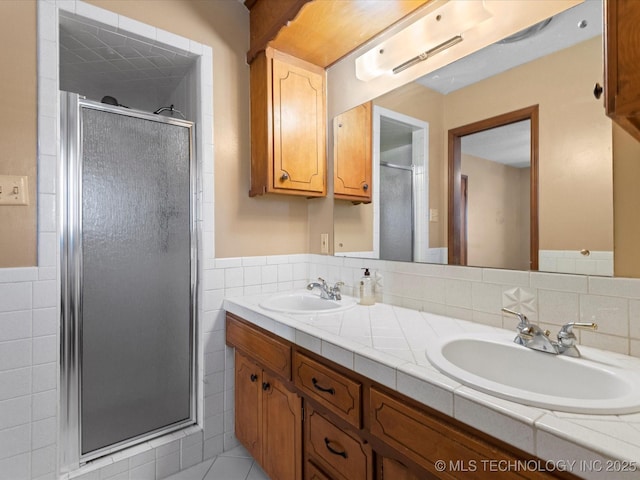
(567, 338)
(568, 327)
(524, 321)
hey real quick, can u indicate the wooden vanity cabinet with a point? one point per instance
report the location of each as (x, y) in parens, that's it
(352, 154)
(288, 138)
(622, 58)
(353, 428)
(268, 412)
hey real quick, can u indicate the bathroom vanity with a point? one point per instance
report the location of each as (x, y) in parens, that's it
(346, 410)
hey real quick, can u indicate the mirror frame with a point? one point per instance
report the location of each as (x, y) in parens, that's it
(454, 153)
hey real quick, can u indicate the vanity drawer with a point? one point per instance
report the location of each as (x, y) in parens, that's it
(311, 472)
(334, 391)
(335, 451)
(425, 439)
(269, 352)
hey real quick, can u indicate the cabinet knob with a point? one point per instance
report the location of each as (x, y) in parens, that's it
(266, 386)
(597, 90)
(365, 187)
(284, 176)
(254, 377)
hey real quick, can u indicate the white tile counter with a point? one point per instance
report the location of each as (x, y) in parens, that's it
(387, 344)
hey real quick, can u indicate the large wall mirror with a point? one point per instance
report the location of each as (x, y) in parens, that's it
(532, 192)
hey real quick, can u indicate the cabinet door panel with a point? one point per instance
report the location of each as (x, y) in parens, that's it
(282, 434)
(352, 154)
(622, 56)
(248, 411)
(298, 128)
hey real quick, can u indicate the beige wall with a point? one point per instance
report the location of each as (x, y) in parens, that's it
(353, 227)
(18, 128)
(497, 219)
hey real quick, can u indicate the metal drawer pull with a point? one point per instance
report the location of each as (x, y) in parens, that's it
(327, 442)
(266, 386)
(331, 390)
(254, 377)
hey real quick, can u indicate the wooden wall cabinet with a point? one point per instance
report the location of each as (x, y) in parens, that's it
(288, 139)
(622, 58)
(352, 154)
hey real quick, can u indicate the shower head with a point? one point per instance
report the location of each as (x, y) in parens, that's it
(109, 100)
(169, 109)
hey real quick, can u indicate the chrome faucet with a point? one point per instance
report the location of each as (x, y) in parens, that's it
(532, 336)
(327, 292)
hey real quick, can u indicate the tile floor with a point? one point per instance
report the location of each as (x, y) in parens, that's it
(236, 464)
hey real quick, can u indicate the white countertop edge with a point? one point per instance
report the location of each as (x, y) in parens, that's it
(532, 418)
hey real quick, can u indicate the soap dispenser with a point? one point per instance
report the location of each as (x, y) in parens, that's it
(367, 293)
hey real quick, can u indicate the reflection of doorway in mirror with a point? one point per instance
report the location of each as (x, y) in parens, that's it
(499, 215)
(401, 188)
(497, 164)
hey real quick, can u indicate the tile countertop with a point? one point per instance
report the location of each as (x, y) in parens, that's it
(387, 344)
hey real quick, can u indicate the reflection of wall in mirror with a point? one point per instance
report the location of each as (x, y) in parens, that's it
(575, 141)
(498, 213)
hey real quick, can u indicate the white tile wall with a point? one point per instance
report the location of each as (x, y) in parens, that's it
(572, 261)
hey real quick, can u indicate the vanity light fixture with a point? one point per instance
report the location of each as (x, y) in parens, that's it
(427, 36)
(429, 53)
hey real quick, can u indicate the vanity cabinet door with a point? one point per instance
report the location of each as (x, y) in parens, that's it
(268, 420)
(622, 57)
(288, 136)
(248, 408)
(282, 430)
(352, 154)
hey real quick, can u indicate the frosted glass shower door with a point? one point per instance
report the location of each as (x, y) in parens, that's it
(136, 281)
(396, 213)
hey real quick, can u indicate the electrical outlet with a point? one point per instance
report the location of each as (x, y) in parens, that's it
(324, 243)
(14, 190)
(434, 215)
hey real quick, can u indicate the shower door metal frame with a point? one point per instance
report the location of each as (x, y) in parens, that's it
(71, 279)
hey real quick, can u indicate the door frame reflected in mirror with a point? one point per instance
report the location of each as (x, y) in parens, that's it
(455, 230)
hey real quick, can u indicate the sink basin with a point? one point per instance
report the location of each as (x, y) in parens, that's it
(595, 383)
(306, 302)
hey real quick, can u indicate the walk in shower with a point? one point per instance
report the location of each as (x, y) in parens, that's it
(128, 277)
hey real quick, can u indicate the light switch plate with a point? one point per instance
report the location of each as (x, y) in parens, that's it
(324, 243)
(14, 190)
(434, 215)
